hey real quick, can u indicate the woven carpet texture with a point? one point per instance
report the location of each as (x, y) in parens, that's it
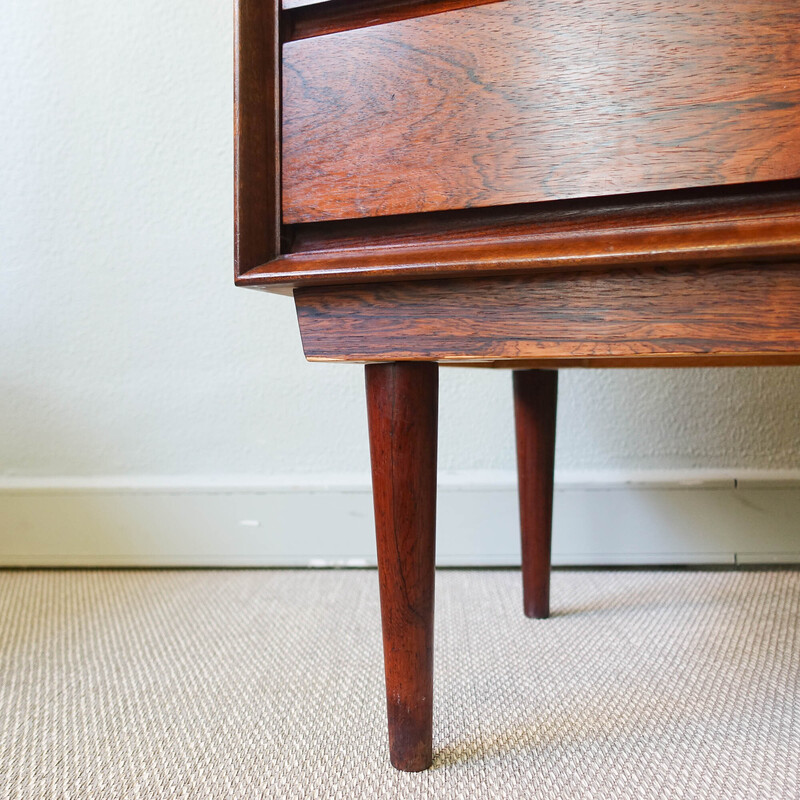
(251, 684)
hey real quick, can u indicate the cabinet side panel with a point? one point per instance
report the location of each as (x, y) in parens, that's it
(256, 133)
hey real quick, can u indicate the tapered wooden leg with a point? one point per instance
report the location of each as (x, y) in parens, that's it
(535, 393)
(402, 405)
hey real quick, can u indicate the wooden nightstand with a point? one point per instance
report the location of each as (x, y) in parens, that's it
(532, 184)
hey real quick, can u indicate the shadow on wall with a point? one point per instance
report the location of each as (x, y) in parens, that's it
(723, 418)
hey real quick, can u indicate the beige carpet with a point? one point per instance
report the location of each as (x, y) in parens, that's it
(254, 684)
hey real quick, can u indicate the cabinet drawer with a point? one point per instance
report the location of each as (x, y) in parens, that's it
(522, 101)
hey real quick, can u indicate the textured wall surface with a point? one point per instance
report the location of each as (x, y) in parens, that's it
(127, 350)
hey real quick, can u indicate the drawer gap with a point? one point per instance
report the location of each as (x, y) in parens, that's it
(696, 206)
(318, 19)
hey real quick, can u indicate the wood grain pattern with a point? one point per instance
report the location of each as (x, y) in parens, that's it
(256, 131)
(743, 310)
(402, 406)
(760, 222)
(532, 100)
(535, 401)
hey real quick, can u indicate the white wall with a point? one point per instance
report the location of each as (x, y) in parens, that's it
(127, 351)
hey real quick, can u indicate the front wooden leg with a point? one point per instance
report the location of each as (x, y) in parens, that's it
(402, 406)
(535, 393)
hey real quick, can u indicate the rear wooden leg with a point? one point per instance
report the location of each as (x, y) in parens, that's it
(402, 406)
(535, 394)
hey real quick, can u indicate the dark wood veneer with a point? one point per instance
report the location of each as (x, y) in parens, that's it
(718, 311)
(696, 226)
(532, 100)
(754, 221)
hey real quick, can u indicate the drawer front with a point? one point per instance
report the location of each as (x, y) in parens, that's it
(522, 101)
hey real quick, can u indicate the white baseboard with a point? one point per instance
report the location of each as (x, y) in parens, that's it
(600, 518)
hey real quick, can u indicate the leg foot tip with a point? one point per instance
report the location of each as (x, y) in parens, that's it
(411, 764)
(412, 767)
(537, 613)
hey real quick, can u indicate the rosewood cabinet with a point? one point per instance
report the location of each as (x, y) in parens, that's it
(531, 184)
